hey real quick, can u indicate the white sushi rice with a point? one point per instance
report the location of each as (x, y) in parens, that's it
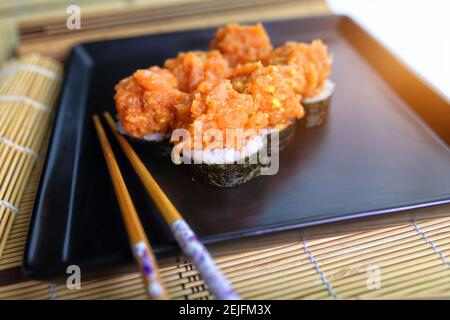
(154, 137)
(225, 155)
(325, 93)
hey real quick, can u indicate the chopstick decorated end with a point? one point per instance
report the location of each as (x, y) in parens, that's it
(141, 247)
(191, 246)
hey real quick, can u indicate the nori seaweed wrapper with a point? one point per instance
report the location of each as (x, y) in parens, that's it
(229, 174)
(225, 175)
(316, 113)
(285, 138)
(162, 149)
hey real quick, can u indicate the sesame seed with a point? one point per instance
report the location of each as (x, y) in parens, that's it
(276, 103)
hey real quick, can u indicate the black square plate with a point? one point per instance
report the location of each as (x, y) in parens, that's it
(375, 155)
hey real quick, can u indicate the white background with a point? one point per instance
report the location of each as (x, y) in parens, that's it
(417, 31)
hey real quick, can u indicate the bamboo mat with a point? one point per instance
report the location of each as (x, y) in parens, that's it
(11, 12)
(411, 251)
(52, 38)
(408, 252)
(28, 92)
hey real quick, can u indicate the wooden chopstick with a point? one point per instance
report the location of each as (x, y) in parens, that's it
(186, 238)
(139, 243)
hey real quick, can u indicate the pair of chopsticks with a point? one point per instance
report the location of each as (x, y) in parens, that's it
(194, 250)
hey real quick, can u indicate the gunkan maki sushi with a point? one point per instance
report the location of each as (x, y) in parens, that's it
(313, 62)
(225, 144)
(146, 107)
(273, 89)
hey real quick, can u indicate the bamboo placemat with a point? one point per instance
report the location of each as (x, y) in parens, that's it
(51, 37)
(28, 92)
(13, 11)
(409, 251)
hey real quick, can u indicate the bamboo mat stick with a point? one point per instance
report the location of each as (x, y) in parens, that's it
(140, 245)
(186, 238)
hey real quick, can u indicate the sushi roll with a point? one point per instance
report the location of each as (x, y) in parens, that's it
(313, 62)
(285, 136)
(273, 89)
(266, 108)
(226, 142)
(316, 107)
(241, 44)
(146, 104)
